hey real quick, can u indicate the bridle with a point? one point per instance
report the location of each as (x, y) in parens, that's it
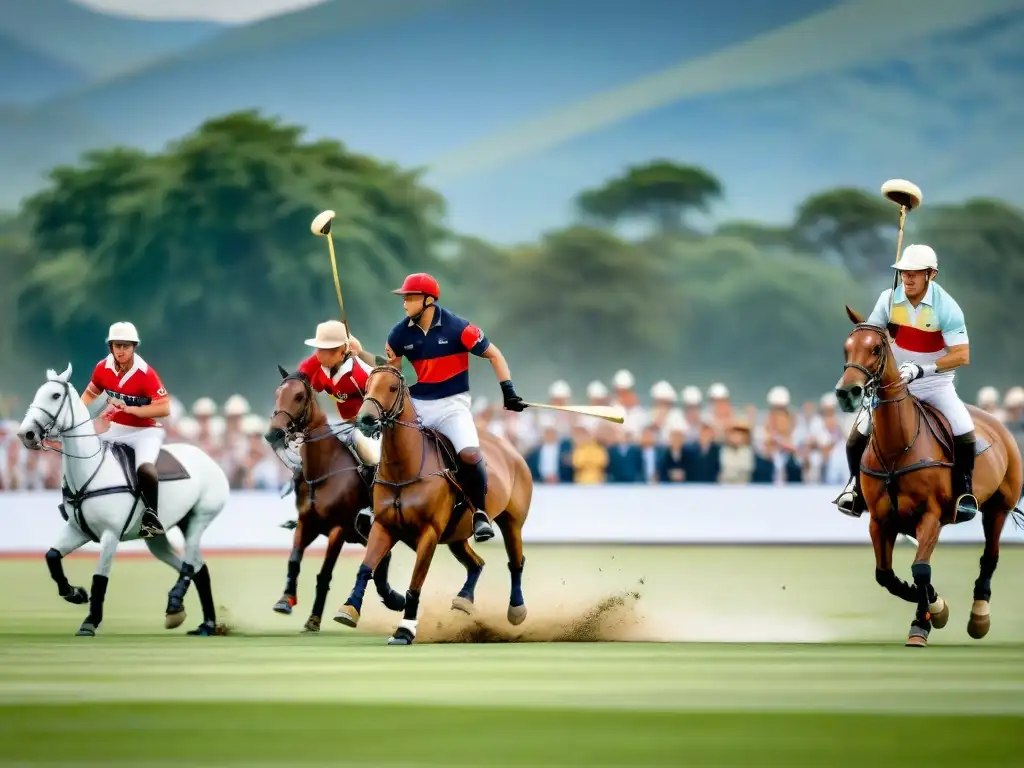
(47, 430)
(874, 384)
(389, 417)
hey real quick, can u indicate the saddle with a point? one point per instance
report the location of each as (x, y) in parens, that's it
(939, 426)
(168, 468)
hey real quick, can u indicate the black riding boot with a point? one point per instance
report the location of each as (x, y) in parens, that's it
(149, 485)
(474, 483)
(856, 444)
(966, 505)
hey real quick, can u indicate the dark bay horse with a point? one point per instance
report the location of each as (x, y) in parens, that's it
(907, 483)
(329, 492)
(416, 501)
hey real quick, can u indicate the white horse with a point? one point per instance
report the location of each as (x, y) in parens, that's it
(102, 502)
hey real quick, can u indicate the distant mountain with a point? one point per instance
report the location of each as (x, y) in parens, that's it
(96, 43)
(30, 75)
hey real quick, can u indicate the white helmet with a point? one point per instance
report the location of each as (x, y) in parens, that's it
(596, 390)
(1014, 397)
(718, 391)
(778, 397)
(693, 396)
(829, 401)
(988, 397)
(252, 424)
(204, 406)
(123, 331)
(560, 389)
(236, 405)
(177, 409)
(623, 380)
(188, 428)
(917, 257)
(664, 392)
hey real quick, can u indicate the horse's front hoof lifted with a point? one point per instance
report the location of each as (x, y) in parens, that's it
(284, 605)
(940, 613)
(348, 616)
(980, 622)
(516, 614)
(86, 630)
(174, 620)
(463, 604)
(77, 596)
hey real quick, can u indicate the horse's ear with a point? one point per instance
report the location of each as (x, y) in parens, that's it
(380, 360)
(283, 372)
(855, 317)
(52, 375)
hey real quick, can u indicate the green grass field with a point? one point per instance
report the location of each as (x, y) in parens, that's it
(727, 657)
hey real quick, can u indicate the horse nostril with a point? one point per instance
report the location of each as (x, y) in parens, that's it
(30, 435)
(856, 391)
(274, 436)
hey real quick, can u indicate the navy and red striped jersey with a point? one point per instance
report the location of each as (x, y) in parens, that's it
(439, 355)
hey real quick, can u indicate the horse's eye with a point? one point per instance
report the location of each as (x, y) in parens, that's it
(55, 396)
(394, 388)
(877, 350)
(301, 396)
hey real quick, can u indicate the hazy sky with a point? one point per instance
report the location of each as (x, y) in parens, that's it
(216, 10)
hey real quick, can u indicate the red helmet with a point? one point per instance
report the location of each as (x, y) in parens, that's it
(420, 282)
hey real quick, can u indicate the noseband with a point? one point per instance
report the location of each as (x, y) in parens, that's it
(48, 429)
(874, 384)
(388, 417)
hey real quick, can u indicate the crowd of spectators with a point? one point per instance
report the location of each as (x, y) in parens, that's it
(687, 436)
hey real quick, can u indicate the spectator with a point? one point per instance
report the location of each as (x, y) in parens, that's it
(552, 460)
(1013, 414)
(988, 400)
(625, 460)
(650, 454)
(560, 393)
(627, 399)
(8, 451)
(672, 468)
(737, 455)
(589, 457)
(692, 416)
(720, 408)
(702, 457)
(776, 465)
(663, 410)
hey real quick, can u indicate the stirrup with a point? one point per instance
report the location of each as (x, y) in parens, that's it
(967, 512)
(482, 528)
(849, 508)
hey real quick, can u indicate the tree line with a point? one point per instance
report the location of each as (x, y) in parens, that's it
(206, 247)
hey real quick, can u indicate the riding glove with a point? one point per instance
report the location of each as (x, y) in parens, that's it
(513, 402)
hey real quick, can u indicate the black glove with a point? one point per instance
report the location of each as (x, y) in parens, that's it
(513, 402)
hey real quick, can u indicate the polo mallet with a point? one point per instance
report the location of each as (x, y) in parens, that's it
(321, 227)
(907, 196)
(606, 412)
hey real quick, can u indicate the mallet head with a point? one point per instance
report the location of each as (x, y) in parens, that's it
(322, 223)
(902, 192)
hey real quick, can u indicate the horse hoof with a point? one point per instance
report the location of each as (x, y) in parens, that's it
(402, 636)
(284, 605)
(463, 604)
(348, 616)
(208, 629)
(978, 626)
(940, 613)
(516, 614)
(394, 601)
(174, 620)
(86, 630)
(77, 596)
(312, 625)
(918, 637)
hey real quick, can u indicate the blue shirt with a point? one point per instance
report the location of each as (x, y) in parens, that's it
(439, 355)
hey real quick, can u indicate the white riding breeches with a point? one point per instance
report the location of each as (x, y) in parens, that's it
(939, 393)
(366, 448)
(146, 441)
(451, 417)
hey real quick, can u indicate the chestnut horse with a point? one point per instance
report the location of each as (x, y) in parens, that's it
(330, 489)
(416, 500)
(907, 483)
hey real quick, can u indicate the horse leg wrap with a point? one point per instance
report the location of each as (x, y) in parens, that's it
(922, 573)
(202, 582)
(291, 584)
(99, 594)
(323, 587)
(363, 576)
(176, 597)
(472, 577)
(412, 604)
(516, 597)
(56, 567)
(983, 586)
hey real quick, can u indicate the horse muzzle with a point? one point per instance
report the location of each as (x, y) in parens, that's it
(850, 398)
(31, 436)
(275, 437)
(368, 424)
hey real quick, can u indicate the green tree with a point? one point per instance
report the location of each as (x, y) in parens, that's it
(206, 247)
(660, 192)
(764, 236)
(849, 226)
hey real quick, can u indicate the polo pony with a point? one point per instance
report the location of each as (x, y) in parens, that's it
(416, 500)
(907, 484)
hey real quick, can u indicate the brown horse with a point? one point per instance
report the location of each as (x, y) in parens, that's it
(907, 483)
(416, 500)
(329, 491)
